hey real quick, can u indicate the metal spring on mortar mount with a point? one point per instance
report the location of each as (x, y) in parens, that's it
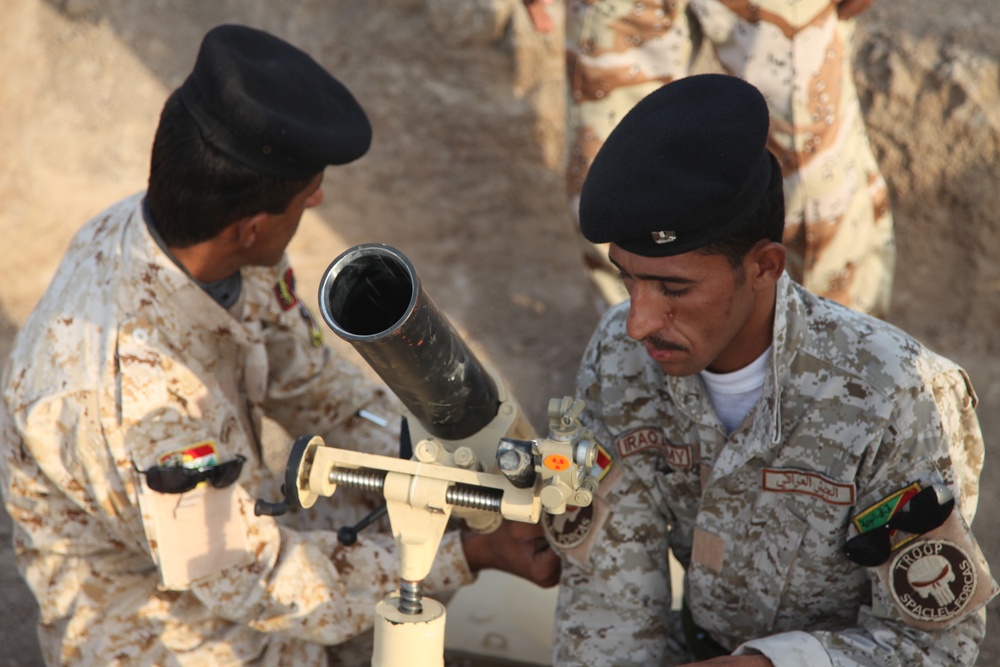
(460, 495)
(360, 478)
(478, 498)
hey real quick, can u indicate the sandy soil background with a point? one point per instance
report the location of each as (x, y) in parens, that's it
(465, 174)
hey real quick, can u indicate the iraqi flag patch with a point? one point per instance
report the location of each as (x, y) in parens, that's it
(198, 455)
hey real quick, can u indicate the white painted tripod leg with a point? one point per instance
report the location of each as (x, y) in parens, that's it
(409, 640)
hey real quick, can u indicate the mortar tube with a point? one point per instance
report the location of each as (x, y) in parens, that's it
(371, 297)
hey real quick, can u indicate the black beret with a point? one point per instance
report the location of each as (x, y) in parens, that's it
(270, 106)
(685, 166)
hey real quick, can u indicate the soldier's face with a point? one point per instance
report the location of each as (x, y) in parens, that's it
(695, 311)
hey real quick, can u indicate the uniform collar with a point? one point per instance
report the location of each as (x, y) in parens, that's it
(191, 308)
(788, 332)
(226, 291)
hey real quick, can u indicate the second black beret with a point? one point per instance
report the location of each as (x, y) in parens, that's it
(270, 106)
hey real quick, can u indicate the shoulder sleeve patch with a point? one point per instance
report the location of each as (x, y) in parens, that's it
(196, 455)
(879, 513)
(638, 440)
(574, 533)
(284, 290)
(940, 578)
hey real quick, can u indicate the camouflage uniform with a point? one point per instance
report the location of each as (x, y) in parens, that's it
(838, 227)
(125, 363)
(852, 410)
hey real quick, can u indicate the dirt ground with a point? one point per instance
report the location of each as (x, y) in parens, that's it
(464, 177)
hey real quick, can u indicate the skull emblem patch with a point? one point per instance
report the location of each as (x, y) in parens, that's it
(933, 580)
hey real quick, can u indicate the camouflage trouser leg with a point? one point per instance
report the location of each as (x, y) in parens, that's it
(838, 227)
(838, 224)
(618, 51)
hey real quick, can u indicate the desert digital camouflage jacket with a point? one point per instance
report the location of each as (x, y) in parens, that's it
(126, 363)
(852, 412)
(838, 225)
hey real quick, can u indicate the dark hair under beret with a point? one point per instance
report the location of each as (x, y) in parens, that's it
(270, 106)
(687, 165)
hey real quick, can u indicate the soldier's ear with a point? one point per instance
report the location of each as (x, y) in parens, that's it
(249, 229)
(767, 263)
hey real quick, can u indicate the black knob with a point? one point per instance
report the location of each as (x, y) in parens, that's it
(348, 535)
(270, 509)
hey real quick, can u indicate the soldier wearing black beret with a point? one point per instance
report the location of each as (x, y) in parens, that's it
(688, 170)
(134, 400)
(254, 124)
(813, 469)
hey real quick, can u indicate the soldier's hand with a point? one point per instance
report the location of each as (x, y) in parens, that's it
(514, 547)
